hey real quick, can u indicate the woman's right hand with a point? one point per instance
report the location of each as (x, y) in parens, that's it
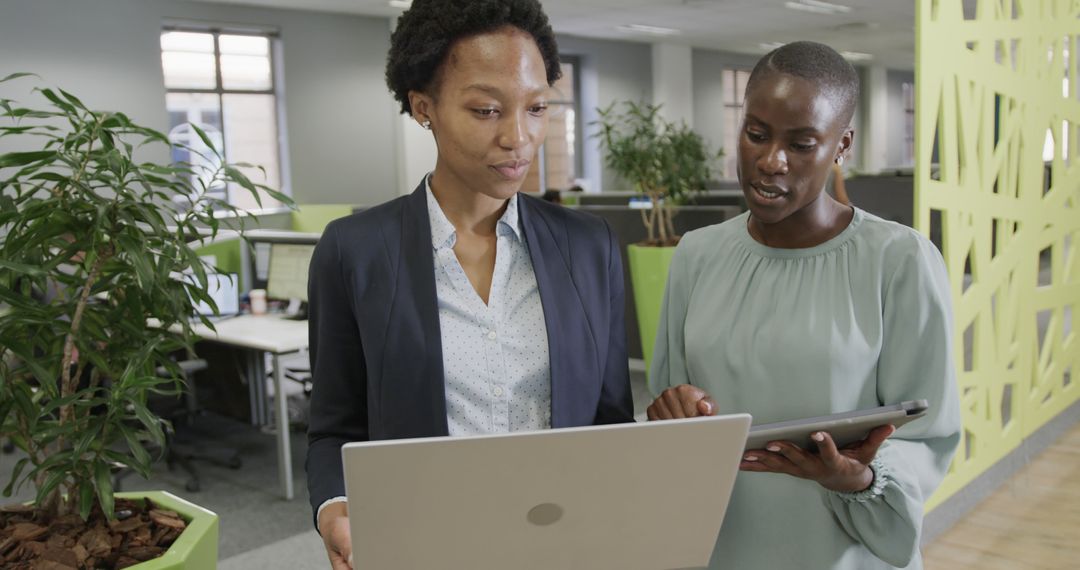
(682, 401)
(334, 526)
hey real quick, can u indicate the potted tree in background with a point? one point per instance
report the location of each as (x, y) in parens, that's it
(667, 163)
(99, 278)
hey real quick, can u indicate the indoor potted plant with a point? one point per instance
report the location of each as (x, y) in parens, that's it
(99, 277)
(666, 162)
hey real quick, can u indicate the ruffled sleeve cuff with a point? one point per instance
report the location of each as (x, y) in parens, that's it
(882, 475)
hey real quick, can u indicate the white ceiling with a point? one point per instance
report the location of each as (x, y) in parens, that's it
(882, 28)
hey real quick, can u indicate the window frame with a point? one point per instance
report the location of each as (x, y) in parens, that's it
(273, 37)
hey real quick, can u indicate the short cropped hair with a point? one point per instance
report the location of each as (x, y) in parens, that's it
(817, 63)
(427, 31)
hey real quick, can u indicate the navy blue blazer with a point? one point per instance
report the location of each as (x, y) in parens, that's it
(375, 343)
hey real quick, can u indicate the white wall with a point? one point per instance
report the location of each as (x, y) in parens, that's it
(339, 113)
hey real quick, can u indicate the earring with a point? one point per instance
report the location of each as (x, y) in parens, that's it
(426, 124)
(839, 161)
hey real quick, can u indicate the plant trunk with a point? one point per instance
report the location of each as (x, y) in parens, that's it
(658, 215)
(69, 382)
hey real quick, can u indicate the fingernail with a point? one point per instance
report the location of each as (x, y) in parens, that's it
(773, 448)
(818, 436)
(750, 458)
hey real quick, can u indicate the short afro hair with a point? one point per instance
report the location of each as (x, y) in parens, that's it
(817, 63)
(427, 30)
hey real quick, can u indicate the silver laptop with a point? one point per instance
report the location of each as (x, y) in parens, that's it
(647, 496)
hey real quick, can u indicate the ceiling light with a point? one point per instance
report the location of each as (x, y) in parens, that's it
(818, 7)
(403, 4)
(654, 30)
(856, 55)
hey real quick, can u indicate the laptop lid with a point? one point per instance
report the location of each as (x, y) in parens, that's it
(648, 496)
(223, 288)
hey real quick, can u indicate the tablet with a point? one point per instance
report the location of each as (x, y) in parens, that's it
(845, 428)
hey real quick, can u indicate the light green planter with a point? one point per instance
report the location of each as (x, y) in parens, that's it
(648, 277)
(197, 547)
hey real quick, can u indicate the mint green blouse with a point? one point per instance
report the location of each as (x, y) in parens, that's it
(861, 320)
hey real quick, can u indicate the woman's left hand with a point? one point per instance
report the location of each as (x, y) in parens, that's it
(844, 470)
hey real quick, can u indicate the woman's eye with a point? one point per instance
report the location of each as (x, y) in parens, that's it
(755, 136)
(538, 109)
(486, 112)
(803, 147)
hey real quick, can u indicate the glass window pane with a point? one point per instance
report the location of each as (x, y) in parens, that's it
(727, 82)
(193, 42)
(186, 70)
(559, 150)
(741, 77)
(251, 136)
(244, 45)
(187, 60)
(245, 72)
(245, 62)
(564, 87)
(732, 126)
(203, 110)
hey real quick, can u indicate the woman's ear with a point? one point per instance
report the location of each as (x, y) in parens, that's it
(422, 107)
(846, 141)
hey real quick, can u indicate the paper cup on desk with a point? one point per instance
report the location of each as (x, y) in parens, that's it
(258, 301)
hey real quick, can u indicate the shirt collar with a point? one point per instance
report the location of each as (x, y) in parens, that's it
(443, 233)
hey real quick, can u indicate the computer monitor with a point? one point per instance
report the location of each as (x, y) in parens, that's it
(288, 277)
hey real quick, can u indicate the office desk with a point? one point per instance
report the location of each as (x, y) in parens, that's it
(276, 336)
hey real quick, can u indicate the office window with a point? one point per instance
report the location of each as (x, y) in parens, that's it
(224, 83)
(734, 88)
(559, 159)
(909, 123)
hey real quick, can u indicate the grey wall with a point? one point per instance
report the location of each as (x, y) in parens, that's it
(610, 71)
(894, 152)
(338, 112)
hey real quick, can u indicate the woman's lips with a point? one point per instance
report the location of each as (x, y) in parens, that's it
(512, 170)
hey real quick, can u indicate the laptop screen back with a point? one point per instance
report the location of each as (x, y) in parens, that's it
(592, 498)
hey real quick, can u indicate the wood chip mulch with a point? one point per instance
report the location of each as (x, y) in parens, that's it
(141, 531)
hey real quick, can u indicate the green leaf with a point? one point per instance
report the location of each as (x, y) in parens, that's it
(15, 473)
(86, 500)
(205, 139)
(23, 158)
(18, 75)
(103, 484)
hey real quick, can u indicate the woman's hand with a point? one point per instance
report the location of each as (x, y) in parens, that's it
(682, 401)
(334, 525)
(844, 470)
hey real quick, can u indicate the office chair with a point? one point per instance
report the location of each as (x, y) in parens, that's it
(178, 451)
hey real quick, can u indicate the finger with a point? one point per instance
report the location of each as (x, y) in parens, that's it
(350, 561)
(706, 406)
(772, 462)
(752, 466)
(826, 448)
(650, 412)
(661, 409)
(800, 458)
(869, 447)
(673, 403)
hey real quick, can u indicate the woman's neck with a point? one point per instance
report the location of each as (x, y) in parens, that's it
(468, 210)
(815, 224)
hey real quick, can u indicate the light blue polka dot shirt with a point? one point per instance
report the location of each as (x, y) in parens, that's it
(495, 355)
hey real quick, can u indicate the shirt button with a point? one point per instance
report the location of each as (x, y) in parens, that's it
(492, 335)
(498, 391)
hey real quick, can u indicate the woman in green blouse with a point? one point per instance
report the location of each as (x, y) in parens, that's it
(804, 307)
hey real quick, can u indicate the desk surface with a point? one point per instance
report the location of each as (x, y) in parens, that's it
(269, 333)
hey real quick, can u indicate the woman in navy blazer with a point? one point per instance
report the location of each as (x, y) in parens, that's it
(477, 74)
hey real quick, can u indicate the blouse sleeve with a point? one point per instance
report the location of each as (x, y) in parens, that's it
(915, 363)
(669, 352)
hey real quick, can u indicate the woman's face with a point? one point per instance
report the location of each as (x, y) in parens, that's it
(792, 133)
(489, 110)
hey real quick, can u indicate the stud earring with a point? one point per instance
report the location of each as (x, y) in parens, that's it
(426, 124)
(839, 161)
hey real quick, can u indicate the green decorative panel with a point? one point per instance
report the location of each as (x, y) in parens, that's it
(995, 82)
